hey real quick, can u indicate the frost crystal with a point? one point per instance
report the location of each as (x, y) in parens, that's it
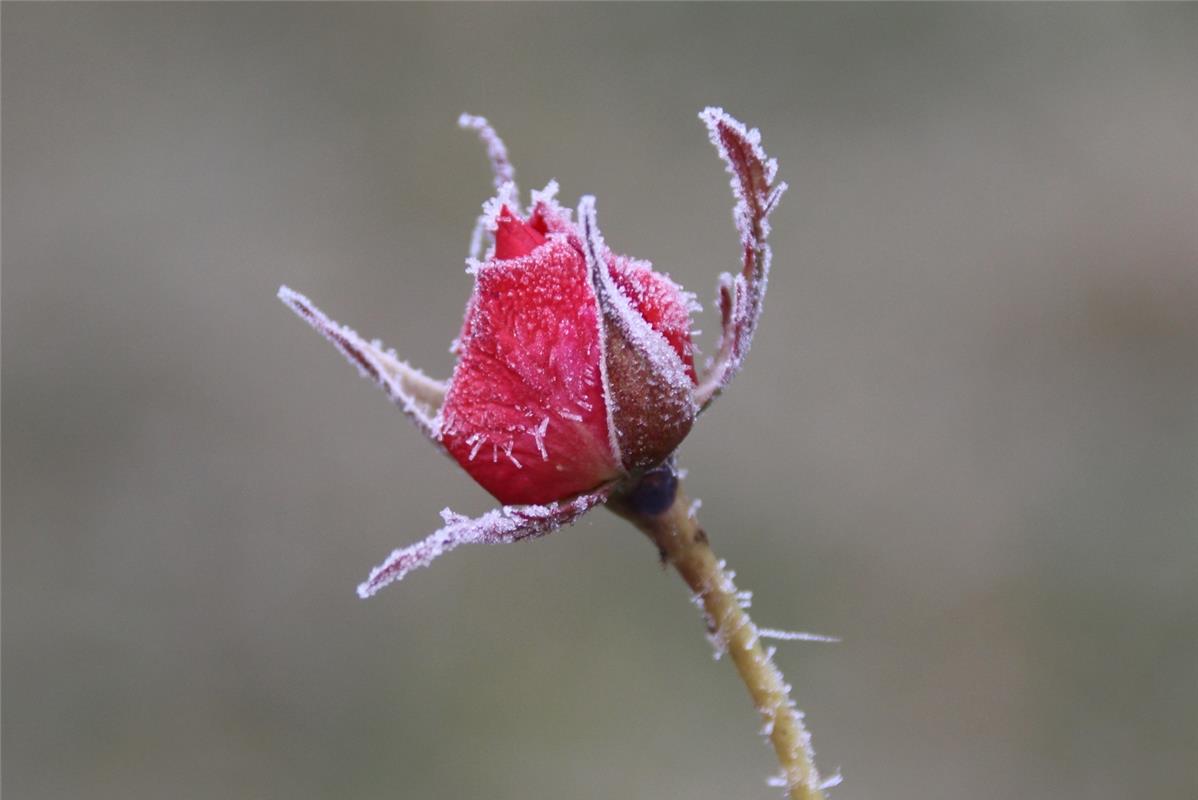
(499, 526)
(832, 781)
(778, 780)
(718, 645)
(795, 636)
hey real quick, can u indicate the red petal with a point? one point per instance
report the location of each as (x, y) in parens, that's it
(661, 303)
(514, 237)
(651, 392)
(525, 413)
(547, 217)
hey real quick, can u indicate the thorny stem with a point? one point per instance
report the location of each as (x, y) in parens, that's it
(683, 544)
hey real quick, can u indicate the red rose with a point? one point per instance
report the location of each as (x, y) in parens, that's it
(575, 370)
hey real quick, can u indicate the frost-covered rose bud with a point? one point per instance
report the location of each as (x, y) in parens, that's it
(574, 364)
(575, 369)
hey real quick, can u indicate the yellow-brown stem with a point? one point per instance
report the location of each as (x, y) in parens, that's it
(683, 544)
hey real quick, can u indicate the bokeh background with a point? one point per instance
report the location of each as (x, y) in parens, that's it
(966, 440)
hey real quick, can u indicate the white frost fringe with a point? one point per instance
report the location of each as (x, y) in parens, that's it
(501, 168)
(499, 526)
(418, 395)
(740, 296)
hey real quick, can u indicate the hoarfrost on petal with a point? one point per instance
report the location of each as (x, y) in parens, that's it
(756, 195)
(651, 396)
(833, 781)
(529, 352)
(419, 396)
(545, 212)
(546, 195)
(487, 223)
(476, 442)
(499, 526)
(592, 262)
(538, 434)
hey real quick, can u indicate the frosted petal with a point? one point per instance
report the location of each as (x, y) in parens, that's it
(419, 396)
(740, 297)
(485, 225)
(661, 302)
(651, 395)
(547, 214)
(530, 352)
(500, 526)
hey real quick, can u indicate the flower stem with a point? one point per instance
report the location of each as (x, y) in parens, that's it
(683, 544)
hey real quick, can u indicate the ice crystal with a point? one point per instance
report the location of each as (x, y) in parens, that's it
(795, 636)
(832, 781)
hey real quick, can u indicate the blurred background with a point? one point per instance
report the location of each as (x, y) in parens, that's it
(966, 440)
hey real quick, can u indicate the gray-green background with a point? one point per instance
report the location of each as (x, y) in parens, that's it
(966, 439)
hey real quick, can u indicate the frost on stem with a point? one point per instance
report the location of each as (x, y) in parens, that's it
(499, 526)
(832, 781)
(418, 395)
(741, 295)
(796, 636)
(780, 780)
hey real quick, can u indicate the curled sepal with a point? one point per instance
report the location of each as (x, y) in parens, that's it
(500, 526)
(503, 175)
(502, 170)
(419, 396)
(740, 296)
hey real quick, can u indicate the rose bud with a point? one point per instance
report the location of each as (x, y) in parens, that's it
(575, 371)
(574, 364)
